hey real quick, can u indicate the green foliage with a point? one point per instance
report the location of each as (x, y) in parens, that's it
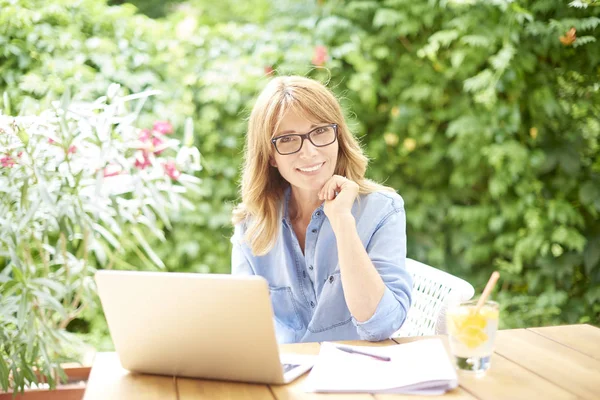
(487, 124)
(483, 115)
(80, 186)
(210, 74)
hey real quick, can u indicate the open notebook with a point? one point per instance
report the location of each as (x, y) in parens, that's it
(420, 367)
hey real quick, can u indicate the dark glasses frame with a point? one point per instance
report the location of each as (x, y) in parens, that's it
(306, 136)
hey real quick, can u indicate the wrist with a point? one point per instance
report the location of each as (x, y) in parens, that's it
(342, 221)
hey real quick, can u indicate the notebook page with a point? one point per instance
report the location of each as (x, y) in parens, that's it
(414, 365)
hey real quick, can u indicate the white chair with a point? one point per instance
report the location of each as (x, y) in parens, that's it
(433, 290)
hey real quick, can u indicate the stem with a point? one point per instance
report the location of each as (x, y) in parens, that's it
(63, 249)
(111, 263)
(43, 256)
(28, 257)
(86, 235)
(406, 43)
(71, 316)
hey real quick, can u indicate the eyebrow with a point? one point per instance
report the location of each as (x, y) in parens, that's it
(293, 131)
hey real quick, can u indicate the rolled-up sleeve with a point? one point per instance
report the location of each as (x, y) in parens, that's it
(387, 251)
(239, 262)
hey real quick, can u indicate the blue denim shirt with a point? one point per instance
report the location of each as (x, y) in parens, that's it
(306, 289)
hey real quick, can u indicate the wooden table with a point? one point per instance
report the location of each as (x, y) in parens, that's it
(561, 362)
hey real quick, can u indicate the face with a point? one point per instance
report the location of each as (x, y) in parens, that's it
(312, 166)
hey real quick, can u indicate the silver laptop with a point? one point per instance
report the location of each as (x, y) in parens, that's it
(196, 325)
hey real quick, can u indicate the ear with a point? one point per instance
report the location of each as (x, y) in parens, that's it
(272, 162)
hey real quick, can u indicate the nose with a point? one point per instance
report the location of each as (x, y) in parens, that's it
(308, 150)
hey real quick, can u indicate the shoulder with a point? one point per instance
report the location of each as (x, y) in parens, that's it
(239, 231)
(374, 209)
(384, 201)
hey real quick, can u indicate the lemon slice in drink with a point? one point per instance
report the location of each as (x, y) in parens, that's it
(468, 328)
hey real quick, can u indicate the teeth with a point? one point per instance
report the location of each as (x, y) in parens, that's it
(316, 167)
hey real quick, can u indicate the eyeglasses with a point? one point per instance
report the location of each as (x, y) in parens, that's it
(320, 137)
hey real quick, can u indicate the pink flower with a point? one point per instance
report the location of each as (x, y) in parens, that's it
(143, 161)
(145, 135)
(171, 170)
(159, 145)
(7, 161)
(51, 141)
(269, 70)
(72, 149)
(112, 170)
(319, 56)
(163, 127)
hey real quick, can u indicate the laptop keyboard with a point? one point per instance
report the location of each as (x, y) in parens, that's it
(289, 367)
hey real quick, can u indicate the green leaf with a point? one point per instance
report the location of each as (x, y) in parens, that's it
(4, 373)
(443, 38)
(7, 109)
(24, 199)
(47, 300)
(23, 308)
(583, 40)
(387, 17)
(589, 192)
(65, 100)
(502, 60)
(142, 241)
(476, 41)
(22, 134)
(55, 285)
(106, 235)
(18, 274)
(479, 82)
(591, 254)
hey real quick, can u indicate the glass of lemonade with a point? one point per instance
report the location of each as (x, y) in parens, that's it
(472, 334)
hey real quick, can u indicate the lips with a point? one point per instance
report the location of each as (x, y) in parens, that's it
(310, 168)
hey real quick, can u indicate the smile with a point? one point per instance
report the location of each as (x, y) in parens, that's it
(312, 168)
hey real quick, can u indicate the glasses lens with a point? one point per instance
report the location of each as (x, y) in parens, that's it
(323, 136)
(289, 144)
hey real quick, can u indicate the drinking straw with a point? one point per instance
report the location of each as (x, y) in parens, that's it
(488, 289)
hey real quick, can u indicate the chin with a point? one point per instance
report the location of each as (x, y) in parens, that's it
(314, 183)
(310, 183)
(314, 186)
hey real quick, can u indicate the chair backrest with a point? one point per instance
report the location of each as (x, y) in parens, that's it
(432, 291)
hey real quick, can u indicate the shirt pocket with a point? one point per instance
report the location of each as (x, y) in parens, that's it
(284, 307)
(332, 310)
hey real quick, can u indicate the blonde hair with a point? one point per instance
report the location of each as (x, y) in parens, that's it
(262, 187)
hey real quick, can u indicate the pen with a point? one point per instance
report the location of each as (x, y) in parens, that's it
(352, 351)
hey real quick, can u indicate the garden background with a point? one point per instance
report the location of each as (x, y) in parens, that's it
(483, 115)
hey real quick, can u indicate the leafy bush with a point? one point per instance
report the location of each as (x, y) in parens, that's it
(482, 114)
(80, 184)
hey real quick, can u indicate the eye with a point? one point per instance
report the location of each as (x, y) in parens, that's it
(288, 139)
(320, 131)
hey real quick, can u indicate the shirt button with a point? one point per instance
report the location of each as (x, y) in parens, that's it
(314, 231)
(331, 279)
(312, 304)
(311, 267)
(318, 213)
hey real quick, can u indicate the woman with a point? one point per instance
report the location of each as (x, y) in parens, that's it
(330, 243)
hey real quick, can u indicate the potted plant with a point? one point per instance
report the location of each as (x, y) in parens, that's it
(80, 184)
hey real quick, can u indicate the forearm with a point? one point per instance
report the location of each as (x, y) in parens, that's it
(363, 286)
